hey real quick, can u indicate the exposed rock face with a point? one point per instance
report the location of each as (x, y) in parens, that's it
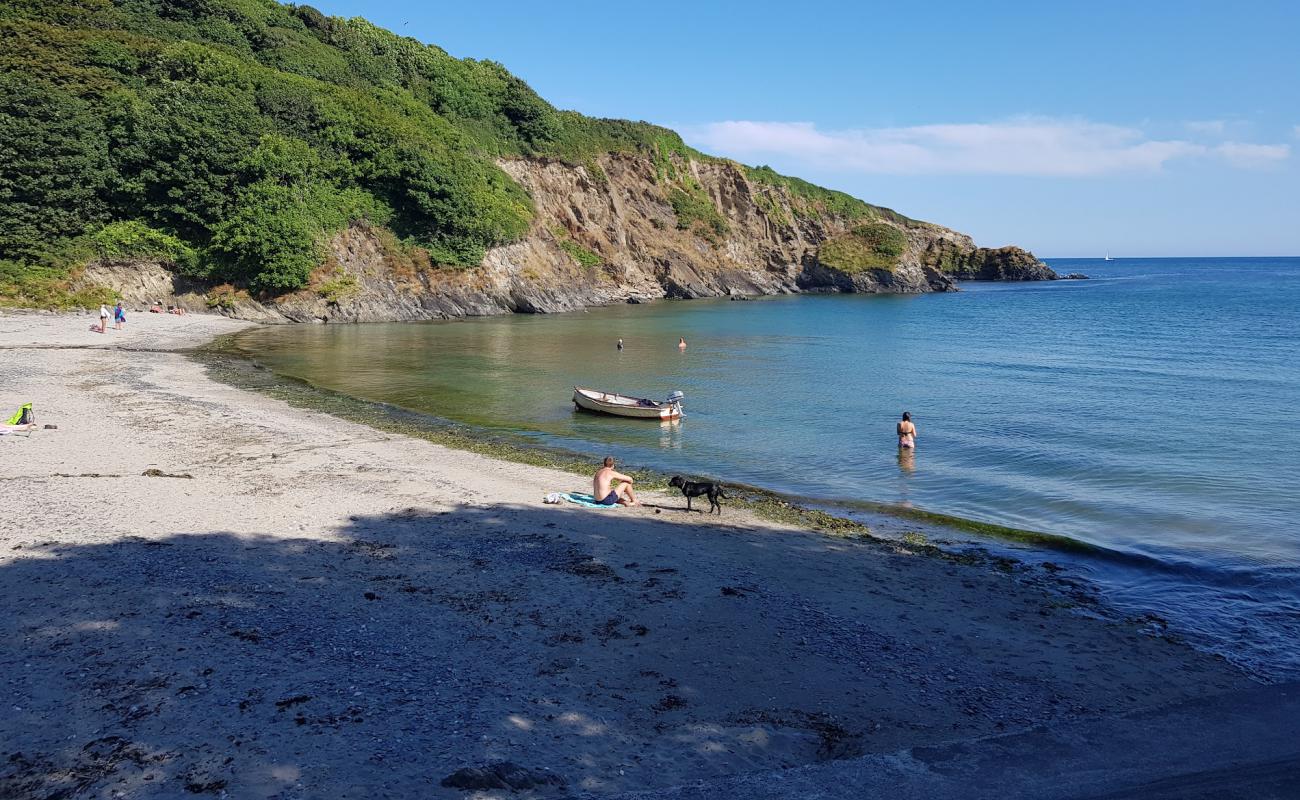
(143, 282)
(985, 264)
(601, 236)
(909, 278)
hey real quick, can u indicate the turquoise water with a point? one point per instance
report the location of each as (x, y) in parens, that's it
(1151, 410)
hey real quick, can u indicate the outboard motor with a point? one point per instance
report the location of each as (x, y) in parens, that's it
(675, 397)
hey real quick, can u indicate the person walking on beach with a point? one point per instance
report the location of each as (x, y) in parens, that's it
(906, 432)
(103, 318)
(119, 315)
(605, 493)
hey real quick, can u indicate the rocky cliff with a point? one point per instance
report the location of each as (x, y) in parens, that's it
(620, 228)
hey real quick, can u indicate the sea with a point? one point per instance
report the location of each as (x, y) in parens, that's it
(1152, 411)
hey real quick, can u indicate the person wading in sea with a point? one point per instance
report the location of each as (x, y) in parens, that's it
(906, 432)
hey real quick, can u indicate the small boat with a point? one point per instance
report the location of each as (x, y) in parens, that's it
(1108, 258)
(623, 406)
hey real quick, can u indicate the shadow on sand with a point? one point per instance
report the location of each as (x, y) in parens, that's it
(597, 653)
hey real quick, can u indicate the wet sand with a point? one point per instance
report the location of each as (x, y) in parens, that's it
(213, 593)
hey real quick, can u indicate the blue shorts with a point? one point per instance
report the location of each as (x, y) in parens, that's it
(609, 500)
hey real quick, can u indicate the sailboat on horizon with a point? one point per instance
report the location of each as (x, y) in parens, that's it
(1108, 258)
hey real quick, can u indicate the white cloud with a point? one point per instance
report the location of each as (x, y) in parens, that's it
(1209, 127)
(1022, 146)
(1252, 156)
(1220, 128)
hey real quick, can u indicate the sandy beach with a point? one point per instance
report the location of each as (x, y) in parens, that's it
(212, 593)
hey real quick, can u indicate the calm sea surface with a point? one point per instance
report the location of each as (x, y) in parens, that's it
(1153, 410)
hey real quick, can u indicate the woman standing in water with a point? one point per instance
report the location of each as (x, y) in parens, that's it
(906, 432)
(681, 343)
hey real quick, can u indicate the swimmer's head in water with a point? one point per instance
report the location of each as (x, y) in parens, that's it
(609, 461)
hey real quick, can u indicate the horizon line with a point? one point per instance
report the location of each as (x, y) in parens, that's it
(1137, 258)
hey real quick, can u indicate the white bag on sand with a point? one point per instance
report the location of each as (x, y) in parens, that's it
(554, 498)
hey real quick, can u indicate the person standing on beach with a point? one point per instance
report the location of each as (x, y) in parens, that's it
(119, 315)
(604, 491)
(103, 318)
(906, 432)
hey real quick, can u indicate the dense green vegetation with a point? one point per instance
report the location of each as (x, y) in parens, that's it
(120, 241)
(232, 138)
(873, 245)
(819, 201)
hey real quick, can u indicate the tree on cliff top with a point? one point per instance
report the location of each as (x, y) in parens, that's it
(249, 132)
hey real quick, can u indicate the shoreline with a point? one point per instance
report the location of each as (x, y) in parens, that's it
(293, 602)
(921, 531)
(1148, 556)
(770, 503)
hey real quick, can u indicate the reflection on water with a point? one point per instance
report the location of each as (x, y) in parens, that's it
(779, 391)
(801, 394)
(670, 434)
(906, 470)
(907, 460)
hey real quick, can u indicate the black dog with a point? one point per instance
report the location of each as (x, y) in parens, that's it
(695, 489)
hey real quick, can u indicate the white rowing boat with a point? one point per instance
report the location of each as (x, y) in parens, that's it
(623, 406)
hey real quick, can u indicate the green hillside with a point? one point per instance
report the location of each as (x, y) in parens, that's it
(232, 137)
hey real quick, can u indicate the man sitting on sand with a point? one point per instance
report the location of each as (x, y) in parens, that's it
(605, 493)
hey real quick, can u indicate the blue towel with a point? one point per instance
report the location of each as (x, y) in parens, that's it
(584, 500)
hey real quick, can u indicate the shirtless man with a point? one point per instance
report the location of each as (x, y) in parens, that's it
(906, 432)
(608, 496)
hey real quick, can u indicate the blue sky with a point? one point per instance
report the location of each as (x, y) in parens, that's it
(1146, 128)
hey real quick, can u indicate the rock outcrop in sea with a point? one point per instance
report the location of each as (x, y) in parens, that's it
(614, 231)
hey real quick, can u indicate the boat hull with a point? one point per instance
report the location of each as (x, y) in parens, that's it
(623, 406)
